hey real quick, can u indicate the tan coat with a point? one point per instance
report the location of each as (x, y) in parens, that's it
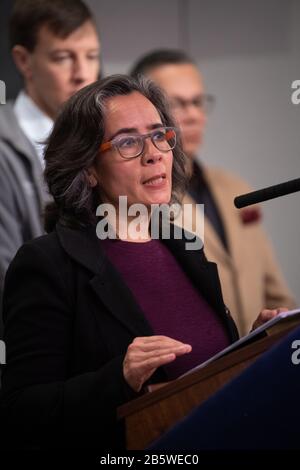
(249, 273)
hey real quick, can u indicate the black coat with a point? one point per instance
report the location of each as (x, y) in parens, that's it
(69, 319)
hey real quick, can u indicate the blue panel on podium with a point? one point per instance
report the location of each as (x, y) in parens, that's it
(257, 410)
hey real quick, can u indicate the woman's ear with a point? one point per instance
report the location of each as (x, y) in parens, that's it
(93, 182)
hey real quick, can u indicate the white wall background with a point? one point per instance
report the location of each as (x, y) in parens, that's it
(249, 54)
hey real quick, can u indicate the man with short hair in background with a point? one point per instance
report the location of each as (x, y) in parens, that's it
(56, 49)
(249, 273)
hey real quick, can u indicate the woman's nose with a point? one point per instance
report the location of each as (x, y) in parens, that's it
(151, 154)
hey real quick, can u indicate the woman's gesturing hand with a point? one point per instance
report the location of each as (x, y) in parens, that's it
(145, 354)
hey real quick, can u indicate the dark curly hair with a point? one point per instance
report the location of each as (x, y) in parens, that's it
(74, 144)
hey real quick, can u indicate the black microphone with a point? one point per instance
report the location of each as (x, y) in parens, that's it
(265, 194)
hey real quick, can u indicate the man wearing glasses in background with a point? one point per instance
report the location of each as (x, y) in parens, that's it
(250, 276)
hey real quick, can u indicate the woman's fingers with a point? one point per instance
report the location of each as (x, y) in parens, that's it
(266, 315)
(136, 373)
(155, 342)
(145, 354)
(140, 355)
(152, 363)
(137, 356)
(282, 309)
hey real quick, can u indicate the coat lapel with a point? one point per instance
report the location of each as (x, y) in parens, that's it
(232, 230)
(204, 276)
(117, 297)
(84, 247)
(202, 273)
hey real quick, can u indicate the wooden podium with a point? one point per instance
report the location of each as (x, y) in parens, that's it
(149, 416)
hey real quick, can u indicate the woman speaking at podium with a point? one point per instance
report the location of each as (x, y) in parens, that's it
(88, 320)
